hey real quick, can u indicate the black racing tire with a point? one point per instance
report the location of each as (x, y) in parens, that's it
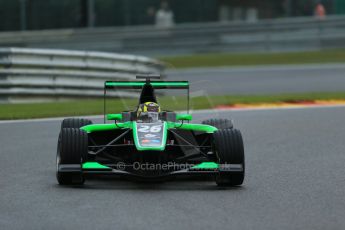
(75, 123)
(72, 149)
(228, 145)
(219, 123)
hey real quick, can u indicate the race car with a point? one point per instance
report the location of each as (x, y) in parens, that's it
(149, 142)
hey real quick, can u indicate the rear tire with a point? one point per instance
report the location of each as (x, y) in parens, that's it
(72, 149)
(219, 123)
(75, 123)
(228, 145)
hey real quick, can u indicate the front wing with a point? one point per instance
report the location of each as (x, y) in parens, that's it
(205, 168)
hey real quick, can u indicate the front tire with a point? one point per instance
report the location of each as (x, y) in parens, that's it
(72, 149)
(228, 145)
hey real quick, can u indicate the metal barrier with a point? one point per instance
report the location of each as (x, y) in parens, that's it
(42, 74)
(266, 35)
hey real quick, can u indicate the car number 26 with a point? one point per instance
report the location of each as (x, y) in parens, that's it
(150, 129)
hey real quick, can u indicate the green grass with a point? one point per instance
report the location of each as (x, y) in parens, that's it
(95, 107)
(226, 59)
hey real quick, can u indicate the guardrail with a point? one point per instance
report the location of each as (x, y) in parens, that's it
(289, 34)
(42, 74)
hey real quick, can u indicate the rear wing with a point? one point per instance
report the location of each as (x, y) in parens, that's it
(140, 84)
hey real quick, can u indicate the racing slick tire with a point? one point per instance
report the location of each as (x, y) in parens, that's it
(75, 123)
(228, 145)
(219, 123)
(72, 149)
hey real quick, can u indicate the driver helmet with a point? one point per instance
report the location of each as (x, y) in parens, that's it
(148, 112)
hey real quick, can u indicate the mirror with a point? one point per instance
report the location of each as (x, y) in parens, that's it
(184, 117)
(114, 117)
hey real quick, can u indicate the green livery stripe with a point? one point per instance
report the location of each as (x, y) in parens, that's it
(105, 127)
(140, 84)
(206, 165)
(94, 165)
(194, 127)
(130, 125)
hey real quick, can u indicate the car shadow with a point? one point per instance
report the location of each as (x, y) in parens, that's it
(179, 184)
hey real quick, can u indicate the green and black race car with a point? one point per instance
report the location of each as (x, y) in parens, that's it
(149, 143)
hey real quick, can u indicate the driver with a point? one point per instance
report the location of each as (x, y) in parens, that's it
(148, 112)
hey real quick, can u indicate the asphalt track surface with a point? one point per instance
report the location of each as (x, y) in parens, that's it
(295, 180)
(264, 79)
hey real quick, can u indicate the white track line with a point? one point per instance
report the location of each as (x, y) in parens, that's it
(263, 68)
(192, 112)
(46, 119)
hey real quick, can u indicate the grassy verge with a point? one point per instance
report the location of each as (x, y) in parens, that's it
(226, 59)
(95, 107)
